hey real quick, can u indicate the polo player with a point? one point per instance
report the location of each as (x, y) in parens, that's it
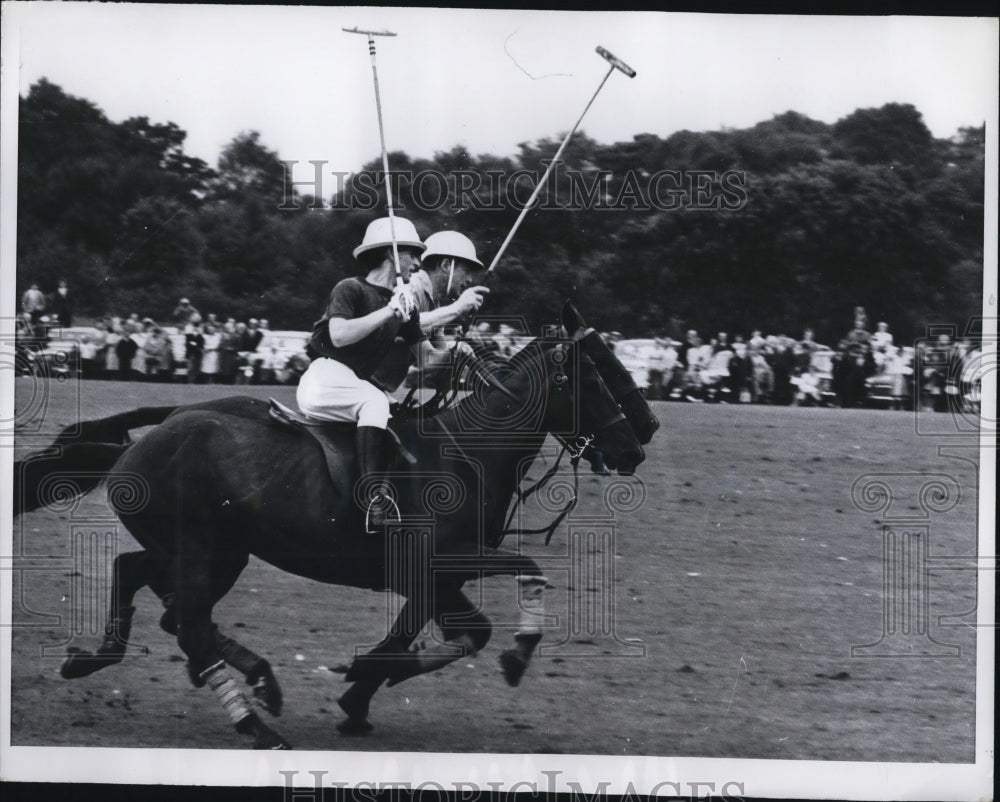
(362, 321)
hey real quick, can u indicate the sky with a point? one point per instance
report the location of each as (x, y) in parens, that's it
(488, 79)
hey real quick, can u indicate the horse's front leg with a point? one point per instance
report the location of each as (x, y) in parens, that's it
(515, 661)
(532, 582)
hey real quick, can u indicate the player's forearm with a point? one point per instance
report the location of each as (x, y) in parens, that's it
(441, 316)
(346, 332)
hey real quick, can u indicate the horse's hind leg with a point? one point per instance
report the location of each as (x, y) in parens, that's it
(466, 630)
(367, 672)
(256, 669)
(131, 572)
(197, 638)
(464, 627)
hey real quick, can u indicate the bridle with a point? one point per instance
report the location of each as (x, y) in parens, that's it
(575, 446)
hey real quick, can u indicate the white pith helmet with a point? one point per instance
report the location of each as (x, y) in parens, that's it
(379, 235)
(451, 243)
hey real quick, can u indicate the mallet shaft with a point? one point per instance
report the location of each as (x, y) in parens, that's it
(541, 183)
(385, 154)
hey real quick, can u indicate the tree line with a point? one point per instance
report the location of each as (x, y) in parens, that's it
(788, 224)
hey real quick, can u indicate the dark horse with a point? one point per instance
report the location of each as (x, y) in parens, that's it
(215, 482)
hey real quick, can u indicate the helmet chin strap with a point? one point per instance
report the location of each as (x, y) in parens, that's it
(451, 275)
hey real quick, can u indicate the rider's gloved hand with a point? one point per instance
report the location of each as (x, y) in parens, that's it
(471, 299)
(402, 303)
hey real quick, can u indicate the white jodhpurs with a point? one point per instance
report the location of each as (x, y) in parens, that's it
(329, 390)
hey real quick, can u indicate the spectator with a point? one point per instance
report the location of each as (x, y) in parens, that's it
(183, 312)
(882, 339)
(859, 338)
(33, 305)
(898, 367)
(133, 325)
(739, 372)
(247, 337)
(698, 357)
(125, 351)
(210, 359)
(194, 348)
(158, 353)
(61, 304)
(855, 362)
(808, 342)
(91, 356)
(715, 375)
(661, 366)
(760, 374)
(690, 341)
(266, 354)
(228, 351)
(265, 333)
(881, 344)
(251, 336)
(783, 364)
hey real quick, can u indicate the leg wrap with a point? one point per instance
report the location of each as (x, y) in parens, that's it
(224, 687)
(532, 604)
(241, 658)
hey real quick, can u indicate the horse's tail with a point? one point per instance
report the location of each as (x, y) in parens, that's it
(79, 458)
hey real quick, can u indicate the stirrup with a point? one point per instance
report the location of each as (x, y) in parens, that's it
(387, 500)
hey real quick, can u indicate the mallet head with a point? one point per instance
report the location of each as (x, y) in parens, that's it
(615, 62)
(369, 34)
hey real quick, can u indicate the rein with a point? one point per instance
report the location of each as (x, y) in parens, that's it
(575, 451)
(575, 448)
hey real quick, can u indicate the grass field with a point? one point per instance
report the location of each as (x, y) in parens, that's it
(713, 615)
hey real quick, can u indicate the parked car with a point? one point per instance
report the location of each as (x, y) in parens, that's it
(287, 357)
(60, 354)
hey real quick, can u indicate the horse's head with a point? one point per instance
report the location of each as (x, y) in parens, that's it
(615, 376)
(570, 385)
(583, 386)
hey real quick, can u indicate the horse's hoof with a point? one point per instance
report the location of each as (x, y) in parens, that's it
(80, 663)
(271, 740)
(355, 726)
(263, 736)
(513, 666)
(268, 693)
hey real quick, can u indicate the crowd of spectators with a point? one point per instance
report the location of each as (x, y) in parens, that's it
(865, 368)
(191, 348)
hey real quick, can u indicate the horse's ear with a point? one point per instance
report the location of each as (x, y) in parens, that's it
(572, 320)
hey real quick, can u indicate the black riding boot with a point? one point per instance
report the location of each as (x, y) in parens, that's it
(373, 487)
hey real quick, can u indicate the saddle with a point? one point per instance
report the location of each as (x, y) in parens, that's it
(323, 432)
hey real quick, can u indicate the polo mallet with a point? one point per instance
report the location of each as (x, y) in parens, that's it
(616, 64)
(385, 155)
